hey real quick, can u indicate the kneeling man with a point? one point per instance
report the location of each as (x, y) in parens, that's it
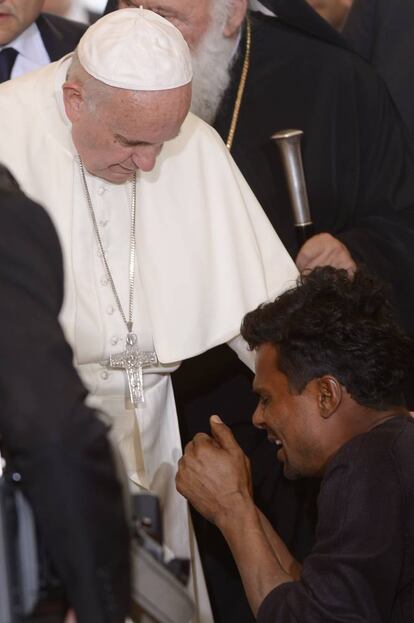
(330, 363)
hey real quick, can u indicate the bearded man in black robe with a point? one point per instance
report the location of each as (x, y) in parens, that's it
(360, 175)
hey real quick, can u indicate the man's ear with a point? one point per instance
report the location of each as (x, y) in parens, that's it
(329, 395)
(237, 13)
(73, 100)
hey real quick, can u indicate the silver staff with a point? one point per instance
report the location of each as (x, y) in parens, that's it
(289, 143)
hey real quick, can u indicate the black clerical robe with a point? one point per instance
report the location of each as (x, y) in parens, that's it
(358, 162)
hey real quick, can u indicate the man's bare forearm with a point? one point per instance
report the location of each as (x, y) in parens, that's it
(260, 568)
(286, 560)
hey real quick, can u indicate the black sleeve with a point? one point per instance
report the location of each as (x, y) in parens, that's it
(380, 233)
(352, 573)
(58, 445)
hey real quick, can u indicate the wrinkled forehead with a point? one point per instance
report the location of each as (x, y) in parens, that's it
(151, 114)
(122, 99)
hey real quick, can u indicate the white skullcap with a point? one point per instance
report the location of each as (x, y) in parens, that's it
(136, 49)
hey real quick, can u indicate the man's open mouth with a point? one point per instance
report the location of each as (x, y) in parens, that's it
(275, 440)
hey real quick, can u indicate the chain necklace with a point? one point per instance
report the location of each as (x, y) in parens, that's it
(242, 85)
(132, 360)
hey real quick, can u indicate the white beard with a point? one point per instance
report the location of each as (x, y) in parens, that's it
(212, 62)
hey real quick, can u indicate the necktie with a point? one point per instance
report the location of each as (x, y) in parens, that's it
(7, 58)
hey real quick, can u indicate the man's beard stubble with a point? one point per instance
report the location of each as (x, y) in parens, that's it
(212, 63)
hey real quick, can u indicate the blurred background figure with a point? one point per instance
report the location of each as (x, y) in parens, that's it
(30, 39)
(383, 33)
(333, 11)
(80, 10)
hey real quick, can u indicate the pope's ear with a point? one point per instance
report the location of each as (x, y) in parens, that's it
(329, 395)
(237, 13)
(73, 100)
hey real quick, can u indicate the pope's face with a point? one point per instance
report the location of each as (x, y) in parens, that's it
(16, 16)
(292, 421)
(191, 17)
(125, 132)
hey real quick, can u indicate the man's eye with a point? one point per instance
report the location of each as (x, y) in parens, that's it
(264, 400)
(168, 15)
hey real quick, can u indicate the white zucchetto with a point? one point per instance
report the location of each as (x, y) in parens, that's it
(136, 49)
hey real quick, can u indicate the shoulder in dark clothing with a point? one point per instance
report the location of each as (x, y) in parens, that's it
(362, 565)
(56, 443)
(60, 36)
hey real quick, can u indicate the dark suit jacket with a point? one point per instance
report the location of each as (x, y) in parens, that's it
(57, 444)
(60, 36)
(382, 31)
(111, 5)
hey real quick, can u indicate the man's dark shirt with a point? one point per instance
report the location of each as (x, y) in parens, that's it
(362, 566)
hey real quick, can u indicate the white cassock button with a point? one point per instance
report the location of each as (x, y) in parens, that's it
(103, 222)
(104, 375)
(110, 310)
(115, 339)
(101, 190)
(104, 281)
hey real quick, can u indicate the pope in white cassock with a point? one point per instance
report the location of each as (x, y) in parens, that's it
(165, 246)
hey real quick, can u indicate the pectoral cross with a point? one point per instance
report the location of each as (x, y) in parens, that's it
(133, 360)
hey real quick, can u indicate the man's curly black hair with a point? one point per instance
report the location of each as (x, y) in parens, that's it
(331, 324)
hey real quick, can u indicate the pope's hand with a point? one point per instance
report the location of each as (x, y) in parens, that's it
(70, 617)
(324, 250)
(214, 473)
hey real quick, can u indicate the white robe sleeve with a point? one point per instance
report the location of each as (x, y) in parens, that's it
(240, 347)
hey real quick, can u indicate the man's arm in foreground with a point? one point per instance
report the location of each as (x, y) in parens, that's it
(354, 570)
(214, 475)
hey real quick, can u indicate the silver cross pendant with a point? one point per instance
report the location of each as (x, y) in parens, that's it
(133, 360)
